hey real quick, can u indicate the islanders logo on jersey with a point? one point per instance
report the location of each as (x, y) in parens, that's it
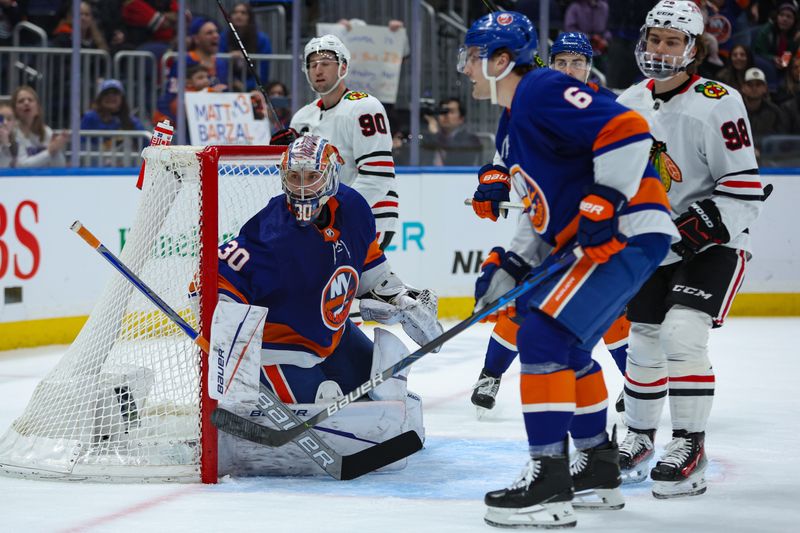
(533, 198)
(337, 296)
(711, 89)
(665, 165)
(355, 95)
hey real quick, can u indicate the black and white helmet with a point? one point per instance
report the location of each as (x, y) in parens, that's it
(330, 44)
(681, 15)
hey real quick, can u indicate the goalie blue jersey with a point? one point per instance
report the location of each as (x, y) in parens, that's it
(559, 137)
(306, 276)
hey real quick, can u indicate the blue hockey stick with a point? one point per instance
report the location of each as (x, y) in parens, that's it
(246, 429)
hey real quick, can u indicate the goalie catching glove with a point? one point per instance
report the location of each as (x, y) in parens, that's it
(391, 302)
(500, 272)
(700, 226)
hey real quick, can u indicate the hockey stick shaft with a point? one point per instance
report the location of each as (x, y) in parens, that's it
(250, 66)
(338, 466)
(501, 205)
(279, 437)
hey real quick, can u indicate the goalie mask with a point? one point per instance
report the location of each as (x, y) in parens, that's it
(680, 15)
(329, 48)
(309, 176)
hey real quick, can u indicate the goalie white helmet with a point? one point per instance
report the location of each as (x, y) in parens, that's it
(327, 45)
(679, 15)
(309, 176)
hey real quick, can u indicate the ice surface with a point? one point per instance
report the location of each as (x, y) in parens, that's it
(751, 442)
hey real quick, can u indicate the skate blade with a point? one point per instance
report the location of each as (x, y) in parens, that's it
(664, 490)
(606, 499)
(635, 475)
(545, 516)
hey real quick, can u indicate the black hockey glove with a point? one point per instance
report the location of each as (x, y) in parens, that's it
(284, 137)
(700, 226)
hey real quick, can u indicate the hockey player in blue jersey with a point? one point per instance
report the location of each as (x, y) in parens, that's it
(306, 256)
(581, 162)
(571, 54)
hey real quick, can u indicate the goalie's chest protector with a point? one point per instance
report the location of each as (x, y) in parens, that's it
(308, 277)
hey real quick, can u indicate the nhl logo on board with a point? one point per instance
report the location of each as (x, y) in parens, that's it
(337, 296)
(504, 19)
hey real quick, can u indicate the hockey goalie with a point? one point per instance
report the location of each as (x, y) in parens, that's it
(286, 284)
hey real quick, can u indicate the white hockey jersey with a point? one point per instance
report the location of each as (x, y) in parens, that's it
(359, 128)
(703, 149)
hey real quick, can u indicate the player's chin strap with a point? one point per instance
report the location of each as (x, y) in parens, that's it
(494, 79)
(339, 79)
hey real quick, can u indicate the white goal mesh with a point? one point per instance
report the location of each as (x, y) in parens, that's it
(126, 402)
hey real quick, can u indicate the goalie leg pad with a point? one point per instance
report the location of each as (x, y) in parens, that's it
(388, 350)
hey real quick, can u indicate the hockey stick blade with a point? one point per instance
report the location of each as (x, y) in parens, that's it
(352, 466)
(279, 437)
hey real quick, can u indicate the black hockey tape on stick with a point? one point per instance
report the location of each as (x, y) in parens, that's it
(250, 67)
(337, 466)
(279, 437)
(491, 6)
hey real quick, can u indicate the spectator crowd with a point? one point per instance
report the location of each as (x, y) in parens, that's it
(751, 45)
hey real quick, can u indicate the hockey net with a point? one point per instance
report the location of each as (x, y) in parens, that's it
(127, 401)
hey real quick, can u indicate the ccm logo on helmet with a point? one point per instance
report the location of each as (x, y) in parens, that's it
(337, 296)
(504, 19)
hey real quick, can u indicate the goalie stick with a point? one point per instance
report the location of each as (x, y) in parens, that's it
(343, 467)
(242, 427)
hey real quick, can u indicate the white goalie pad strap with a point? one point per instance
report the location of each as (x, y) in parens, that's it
(235, 355)
(387, 350)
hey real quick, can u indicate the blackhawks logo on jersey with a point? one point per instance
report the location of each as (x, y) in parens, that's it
(355, 95)
(711, 89)
(666, 167)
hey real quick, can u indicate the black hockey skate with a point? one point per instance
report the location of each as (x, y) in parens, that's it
(635, 453)
(681, 472)
(484, 392)
(539, 498)
(596, 477)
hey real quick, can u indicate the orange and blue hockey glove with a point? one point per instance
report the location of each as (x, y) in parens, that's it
(500, 272)
(598, 226)
(494, 184)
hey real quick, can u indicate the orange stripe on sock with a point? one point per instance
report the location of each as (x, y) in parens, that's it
(618, 331)
(565, 288)
(590, 390)
(558, 387)
(278, 383)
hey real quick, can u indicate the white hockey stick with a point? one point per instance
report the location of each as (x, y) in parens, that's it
(501, 205)
(336, 465)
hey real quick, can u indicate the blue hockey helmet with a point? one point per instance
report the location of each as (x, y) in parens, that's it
(504, 29)
(574, 42)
